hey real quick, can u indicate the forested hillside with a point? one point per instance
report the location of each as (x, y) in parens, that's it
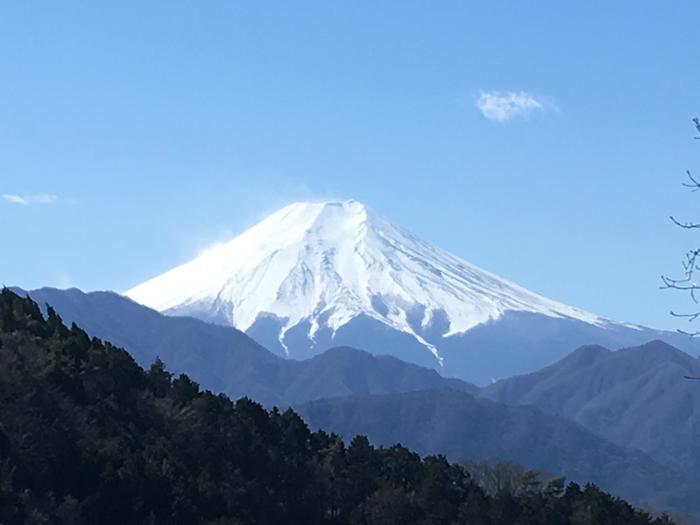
(87, 436)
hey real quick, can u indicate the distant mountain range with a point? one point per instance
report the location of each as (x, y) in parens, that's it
(87, 436)
(316, 275)
(626, 400)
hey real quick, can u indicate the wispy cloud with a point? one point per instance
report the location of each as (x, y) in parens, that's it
(502, 106)
(28, 199)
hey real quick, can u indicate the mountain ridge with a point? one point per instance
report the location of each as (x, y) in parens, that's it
(634, 396)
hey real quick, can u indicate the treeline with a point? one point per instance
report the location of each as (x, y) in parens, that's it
(87, 436)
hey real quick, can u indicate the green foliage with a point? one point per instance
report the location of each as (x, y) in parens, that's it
(87, 436)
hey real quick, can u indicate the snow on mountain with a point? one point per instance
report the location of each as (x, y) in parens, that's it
(325, 264)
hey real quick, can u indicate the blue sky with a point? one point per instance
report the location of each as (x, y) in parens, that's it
(134, 136)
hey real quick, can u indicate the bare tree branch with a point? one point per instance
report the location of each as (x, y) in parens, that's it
(692, 260)
(693, 184)
(690, 317)
(686, 225)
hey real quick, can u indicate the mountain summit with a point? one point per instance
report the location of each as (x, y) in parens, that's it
(315, 274)
(327, 263)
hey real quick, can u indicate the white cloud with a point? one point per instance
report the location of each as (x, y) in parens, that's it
(502, 106)
(30, 198)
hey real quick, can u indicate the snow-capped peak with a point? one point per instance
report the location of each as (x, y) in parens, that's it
(327, 263)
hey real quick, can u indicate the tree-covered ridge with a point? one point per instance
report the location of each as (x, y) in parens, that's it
(87, 436)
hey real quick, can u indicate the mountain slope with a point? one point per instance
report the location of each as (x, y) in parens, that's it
(224, 359)
(329, 262)
(316, 275)
(460, 426)
(635, 396)
(342, 371)
(89, 437)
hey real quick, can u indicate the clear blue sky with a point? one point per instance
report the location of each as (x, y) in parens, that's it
(135, 135)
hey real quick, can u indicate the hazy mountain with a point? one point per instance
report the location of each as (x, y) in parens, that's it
(224, 359)
(461, 426)
(342, 371)
(316, 275)
(635, 396)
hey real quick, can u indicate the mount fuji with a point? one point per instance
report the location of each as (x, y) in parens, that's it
(315, 275)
